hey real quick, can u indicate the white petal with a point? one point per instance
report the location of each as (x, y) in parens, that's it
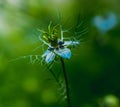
(64, 53)
(46, 53)
(50, 57)
(67, 43)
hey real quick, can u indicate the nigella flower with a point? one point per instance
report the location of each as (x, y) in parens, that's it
(105, 23)
(61, 50)
(56, 46)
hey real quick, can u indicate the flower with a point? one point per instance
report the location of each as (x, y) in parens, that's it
(61, 50)
(106, 23)
(56, 45)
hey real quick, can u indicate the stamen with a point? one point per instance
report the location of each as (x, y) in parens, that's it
(44, 42)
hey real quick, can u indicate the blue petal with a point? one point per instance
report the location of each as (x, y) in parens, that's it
(64, 53)
(46, 53)
(67, 43)
(112, 21)
(50, 57)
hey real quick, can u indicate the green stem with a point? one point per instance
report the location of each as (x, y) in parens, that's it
(66, 82)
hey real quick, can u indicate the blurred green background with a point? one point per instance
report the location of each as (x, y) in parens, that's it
(93, 70)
